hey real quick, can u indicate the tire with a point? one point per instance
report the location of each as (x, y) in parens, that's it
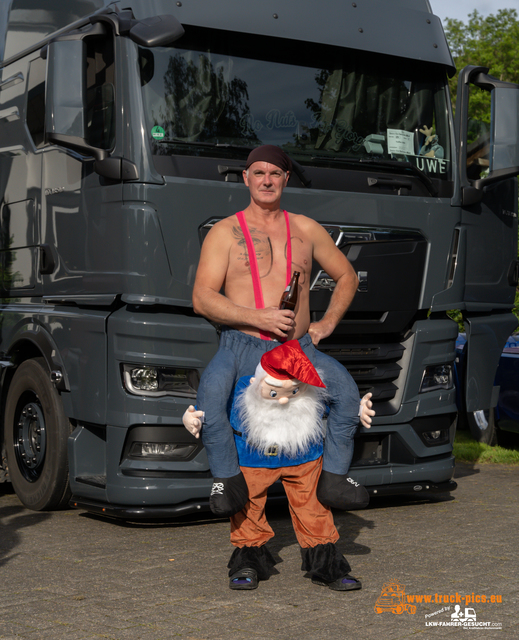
(482, 426)
(506, 439)
(36, 433)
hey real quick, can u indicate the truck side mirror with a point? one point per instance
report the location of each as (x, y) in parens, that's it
(494, 146)
(80, 117)
(505, 135)
(66, 97)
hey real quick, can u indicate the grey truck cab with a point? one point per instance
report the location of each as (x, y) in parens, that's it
(124, 129)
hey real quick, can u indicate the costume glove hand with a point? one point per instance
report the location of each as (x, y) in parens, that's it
(366, 412)
(193, 421)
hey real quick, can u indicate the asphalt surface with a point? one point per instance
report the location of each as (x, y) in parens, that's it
(69, 575)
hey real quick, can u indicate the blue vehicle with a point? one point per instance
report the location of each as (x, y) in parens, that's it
(493, 426)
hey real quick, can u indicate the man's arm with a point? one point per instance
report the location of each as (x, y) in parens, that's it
(337, 266)
(210, 303)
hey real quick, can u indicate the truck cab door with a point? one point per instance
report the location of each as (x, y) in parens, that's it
(488, 161)
(20, 182)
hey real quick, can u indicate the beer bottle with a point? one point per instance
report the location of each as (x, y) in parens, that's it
(289, 297)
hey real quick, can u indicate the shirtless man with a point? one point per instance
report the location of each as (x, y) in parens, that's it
(224, 261)
(253, 326)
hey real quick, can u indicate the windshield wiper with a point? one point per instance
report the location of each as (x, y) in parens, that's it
(212, 145)
(399, 165)
(297, 168)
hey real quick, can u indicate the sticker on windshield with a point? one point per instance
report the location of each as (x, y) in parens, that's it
(400, 142)
(425, 151)
(158, 133)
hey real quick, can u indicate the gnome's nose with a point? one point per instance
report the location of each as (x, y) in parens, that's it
(283, 400)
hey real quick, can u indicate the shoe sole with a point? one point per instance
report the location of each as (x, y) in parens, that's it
(243, 587)
(353, 587)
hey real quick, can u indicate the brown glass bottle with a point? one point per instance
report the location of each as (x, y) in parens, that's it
(289, 297)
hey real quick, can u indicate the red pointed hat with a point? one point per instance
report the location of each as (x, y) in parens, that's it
(288, 361)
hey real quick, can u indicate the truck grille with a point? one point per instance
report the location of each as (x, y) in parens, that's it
(375, 368)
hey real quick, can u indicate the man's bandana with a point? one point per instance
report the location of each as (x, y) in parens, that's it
(272, 154)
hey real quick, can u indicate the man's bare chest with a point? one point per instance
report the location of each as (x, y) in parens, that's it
(271, 251)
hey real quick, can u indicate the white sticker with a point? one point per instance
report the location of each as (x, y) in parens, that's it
(400, 142)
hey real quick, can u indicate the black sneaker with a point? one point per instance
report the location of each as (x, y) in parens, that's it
(246, 578)
(346, 583)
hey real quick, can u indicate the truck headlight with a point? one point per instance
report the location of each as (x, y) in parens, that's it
(148, 380)
(161, 450)
(437, 376)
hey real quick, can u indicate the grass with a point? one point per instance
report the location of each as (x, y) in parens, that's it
(466, 449)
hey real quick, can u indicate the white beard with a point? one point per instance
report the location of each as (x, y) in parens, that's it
(291, 427)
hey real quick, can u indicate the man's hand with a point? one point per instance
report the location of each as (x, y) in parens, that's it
(320, 330)
(193, 421)
(366, 412)
(276, 321)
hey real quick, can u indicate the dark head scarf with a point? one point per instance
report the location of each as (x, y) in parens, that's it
(272, 154)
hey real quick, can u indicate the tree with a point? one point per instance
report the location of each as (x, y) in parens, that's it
(491, 42)
(201, 104)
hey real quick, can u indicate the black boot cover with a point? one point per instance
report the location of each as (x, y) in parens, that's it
(325, 562)
(341, 492)
(228, 495)
(258, 558)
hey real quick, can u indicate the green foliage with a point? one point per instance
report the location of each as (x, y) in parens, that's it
(491, 42)
(466, 449)
(457, 316)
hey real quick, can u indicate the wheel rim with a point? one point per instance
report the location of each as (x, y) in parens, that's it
(481, 418)
(30, 436)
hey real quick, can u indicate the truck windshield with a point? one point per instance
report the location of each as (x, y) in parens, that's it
(219, 94)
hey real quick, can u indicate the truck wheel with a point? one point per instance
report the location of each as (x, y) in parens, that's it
(482, 426)
(36, 434)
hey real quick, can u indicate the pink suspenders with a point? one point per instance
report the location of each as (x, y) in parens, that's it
(253, 262)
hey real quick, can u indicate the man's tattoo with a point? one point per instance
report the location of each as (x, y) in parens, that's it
(296, 267)
(262, 246)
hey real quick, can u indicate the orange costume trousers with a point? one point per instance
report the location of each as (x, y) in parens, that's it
(312, 521)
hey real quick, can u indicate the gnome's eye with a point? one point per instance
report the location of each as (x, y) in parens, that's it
(294, 391)
(273, 394)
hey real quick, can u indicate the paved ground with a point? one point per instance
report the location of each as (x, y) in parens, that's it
(72, 576)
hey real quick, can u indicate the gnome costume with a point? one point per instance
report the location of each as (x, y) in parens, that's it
(277, 425)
